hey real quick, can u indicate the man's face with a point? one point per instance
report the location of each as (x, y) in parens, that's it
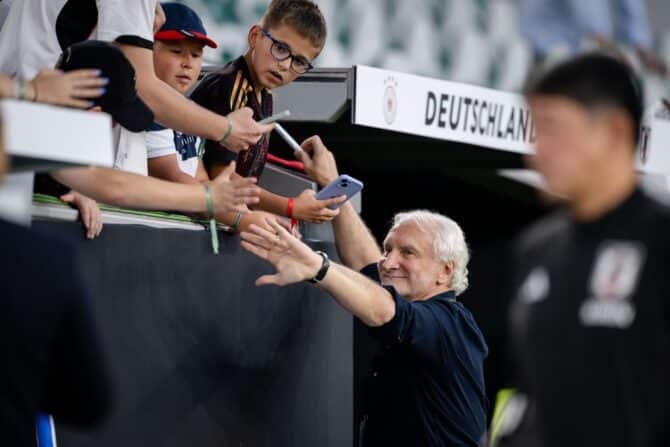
(570, 146)
(268, 71)
(409, 265)
(178, 62)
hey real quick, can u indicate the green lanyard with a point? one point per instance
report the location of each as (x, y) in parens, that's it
(212, 222)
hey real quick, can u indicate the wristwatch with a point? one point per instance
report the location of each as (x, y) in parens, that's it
(323, 270)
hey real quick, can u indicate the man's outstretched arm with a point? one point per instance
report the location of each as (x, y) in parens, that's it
(296, 262)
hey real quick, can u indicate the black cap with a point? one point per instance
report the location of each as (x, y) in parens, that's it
(120, 100)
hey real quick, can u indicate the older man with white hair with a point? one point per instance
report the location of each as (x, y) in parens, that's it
(427, 388)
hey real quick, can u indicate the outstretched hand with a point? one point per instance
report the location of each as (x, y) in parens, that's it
(261, 219)
(231, 195)
(293, 260)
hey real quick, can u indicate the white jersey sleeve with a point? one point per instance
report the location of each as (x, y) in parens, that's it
(160, 143)
(164, 142)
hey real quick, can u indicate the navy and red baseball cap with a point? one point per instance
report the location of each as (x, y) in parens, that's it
(181, 22)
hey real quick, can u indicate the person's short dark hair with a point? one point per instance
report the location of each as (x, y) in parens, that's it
(593, 80)
(303, 16)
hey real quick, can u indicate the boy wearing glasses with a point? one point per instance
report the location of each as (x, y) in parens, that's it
(290, 35)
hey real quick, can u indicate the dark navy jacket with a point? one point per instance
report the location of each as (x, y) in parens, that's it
(427, 386)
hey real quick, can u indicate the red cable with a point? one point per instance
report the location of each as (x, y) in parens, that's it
(295, 165)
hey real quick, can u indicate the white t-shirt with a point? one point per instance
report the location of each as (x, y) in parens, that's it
(161, 142)
(31, 37)
(131, 150)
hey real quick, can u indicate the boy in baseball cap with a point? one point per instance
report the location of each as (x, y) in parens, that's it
(178, 50)
(181, 22)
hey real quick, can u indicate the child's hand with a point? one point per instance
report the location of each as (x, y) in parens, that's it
(261, 219)
(89, 212)
(246, 131)
(233, 195)
(307, 207)
(319, 162)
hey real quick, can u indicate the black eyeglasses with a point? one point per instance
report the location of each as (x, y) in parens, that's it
(281, 52)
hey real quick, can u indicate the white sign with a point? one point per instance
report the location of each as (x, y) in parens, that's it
(441, 109)
(53, 133)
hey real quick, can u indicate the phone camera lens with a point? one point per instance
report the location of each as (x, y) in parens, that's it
(344, 184)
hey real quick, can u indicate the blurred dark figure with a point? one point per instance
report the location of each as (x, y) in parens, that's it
(51, 360)
(590, 316)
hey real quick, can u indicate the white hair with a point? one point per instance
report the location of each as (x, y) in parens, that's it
(448, 242)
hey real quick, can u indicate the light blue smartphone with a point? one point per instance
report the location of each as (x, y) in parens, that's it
(343, 185)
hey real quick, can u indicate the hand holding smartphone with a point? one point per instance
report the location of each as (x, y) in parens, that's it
(343, 185)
